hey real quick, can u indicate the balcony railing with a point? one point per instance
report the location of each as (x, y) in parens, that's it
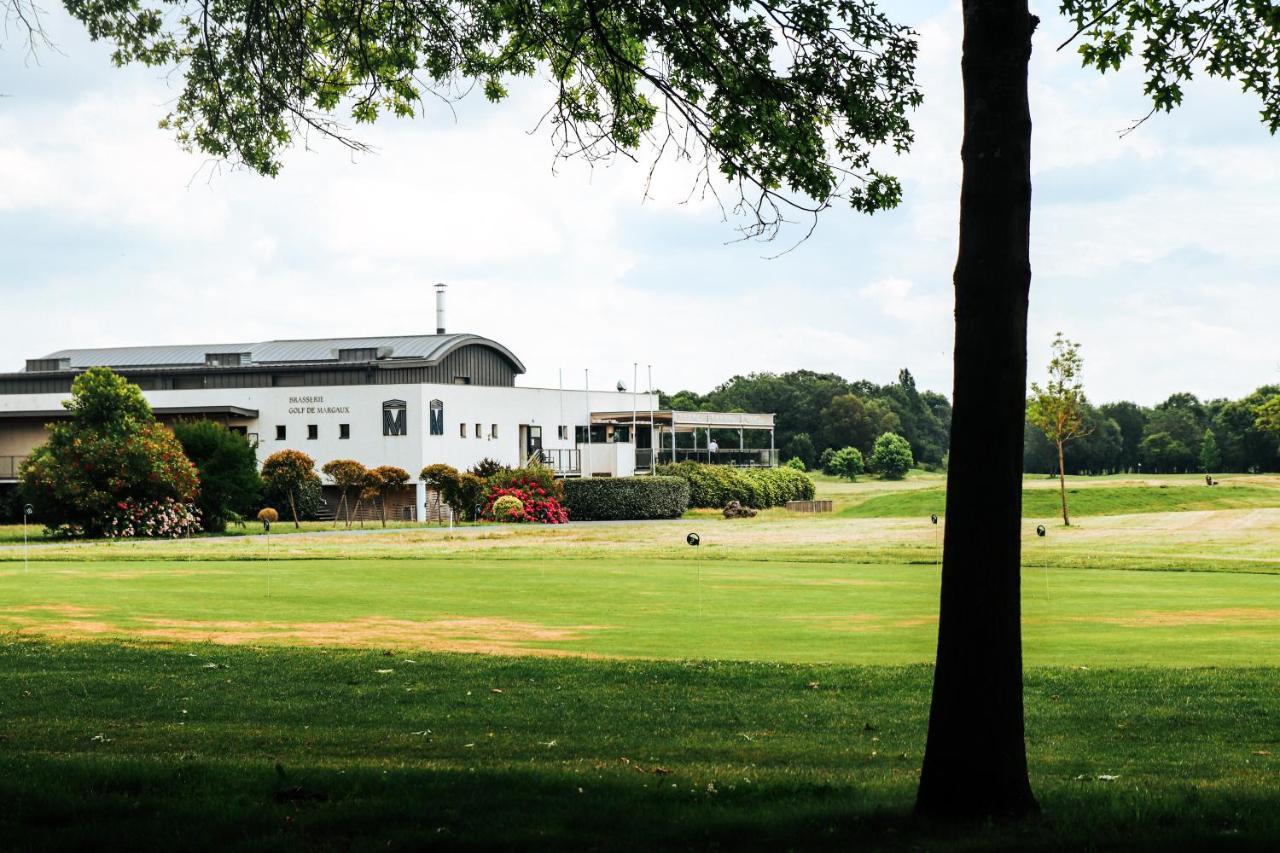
(564, 461)
(749, 458)
(9, 466)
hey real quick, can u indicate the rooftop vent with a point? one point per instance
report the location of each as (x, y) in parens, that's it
(440, 288)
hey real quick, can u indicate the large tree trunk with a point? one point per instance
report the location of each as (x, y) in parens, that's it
(975, 761)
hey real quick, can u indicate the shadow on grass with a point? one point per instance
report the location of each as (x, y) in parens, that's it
(141, 805)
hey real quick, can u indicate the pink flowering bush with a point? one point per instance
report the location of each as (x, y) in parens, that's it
(535, 505)
(155, 519)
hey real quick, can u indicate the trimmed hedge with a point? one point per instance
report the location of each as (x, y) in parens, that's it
(625, 498)
(715, 486)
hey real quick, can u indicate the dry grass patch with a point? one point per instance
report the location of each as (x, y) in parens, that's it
(487, 635)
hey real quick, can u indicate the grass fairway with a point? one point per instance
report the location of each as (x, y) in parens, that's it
(725, 609)
(768, 689)
(218, 748)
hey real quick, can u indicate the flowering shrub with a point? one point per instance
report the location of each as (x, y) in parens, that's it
(110, 449)
(508, 508)
(536, 505)
(165, 518)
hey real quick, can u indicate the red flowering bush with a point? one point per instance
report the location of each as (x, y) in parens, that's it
(165, 518)
(535, 505)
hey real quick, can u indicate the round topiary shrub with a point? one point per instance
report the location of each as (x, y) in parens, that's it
(508, 508)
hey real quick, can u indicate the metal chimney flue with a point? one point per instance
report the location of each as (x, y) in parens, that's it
(440, 288)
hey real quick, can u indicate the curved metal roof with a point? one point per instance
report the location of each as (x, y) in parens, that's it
(428, 348)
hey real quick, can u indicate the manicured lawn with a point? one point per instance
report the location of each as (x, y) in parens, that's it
(1083, 500)
(768, 689)
(727, 609)
(229, 748)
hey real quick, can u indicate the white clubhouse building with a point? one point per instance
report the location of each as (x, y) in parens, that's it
(408, 401)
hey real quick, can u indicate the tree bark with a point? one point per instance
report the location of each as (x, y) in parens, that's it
(1062, 483)
(975, 762)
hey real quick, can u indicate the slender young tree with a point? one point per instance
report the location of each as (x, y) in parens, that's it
(1057, 408)
(382, 481)
(347, 475)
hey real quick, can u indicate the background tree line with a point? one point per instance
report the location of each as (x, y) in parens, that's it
(824, 411)
(1180, 435)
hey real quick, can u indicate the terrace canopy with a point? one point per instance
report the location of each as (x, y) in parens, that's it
(668, 424)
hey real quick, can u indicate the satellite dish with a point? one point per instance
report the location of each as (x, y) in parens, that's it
(934, 518)
(622, 386)
(693, 539)
(1040, 531)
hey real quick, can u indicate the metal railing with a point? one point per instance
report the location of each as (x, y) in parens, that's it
(561, 460)
(9, 466)
(749, 458)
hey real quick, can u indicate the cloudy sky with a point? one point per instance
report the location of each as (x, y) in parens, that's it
(1158, 251)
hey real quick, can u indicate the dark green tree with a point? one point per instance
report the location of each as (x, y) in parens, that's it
(801, 447)
(847, 462)
(891, 457)
(1132, 420)
(845, 423)
(110, 451)
(1210, 455)
(228, 469)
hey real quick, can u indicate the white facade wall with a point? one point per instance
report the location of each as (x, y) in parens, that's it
(361, 407)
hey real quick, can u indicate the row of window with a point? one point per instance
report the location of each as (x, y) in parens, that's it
(344, 431)
(493, 431)
(313, 431)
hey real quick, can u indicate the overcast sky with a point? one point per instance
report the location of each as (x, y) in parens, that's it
(1159, 252)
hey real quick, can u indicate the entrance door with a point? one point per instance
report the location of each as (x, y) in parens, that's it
(533, 441)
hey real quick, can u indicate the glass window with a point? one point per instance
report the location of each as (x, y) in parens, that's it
(493, 430)
(479, 431)
(344, 430)
(280, 432)
(563, 433)
(313, 432)
(462, 430)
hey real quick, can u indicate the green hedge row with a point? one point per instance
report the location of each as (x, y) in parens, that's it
(612, 499)
(714, 486)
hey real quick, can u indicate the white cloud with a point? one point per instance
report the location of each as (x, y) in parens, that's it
(1156, 251)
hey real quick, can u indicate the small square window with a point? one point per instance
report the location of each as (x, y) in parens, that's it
(493, 431)
(462, 430)
(344, 430)
(313, 432)
(280, 432)
(479, 431)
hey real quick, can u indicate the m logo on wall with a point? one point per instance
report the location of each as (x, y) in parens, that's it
(395, 418)
(437, 417)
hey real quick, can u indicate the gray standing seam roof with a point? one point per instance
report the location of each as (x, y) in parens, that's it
(429, 348)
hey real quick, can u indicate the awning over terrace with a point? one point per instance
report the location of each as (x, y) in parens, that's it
(700, 425)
